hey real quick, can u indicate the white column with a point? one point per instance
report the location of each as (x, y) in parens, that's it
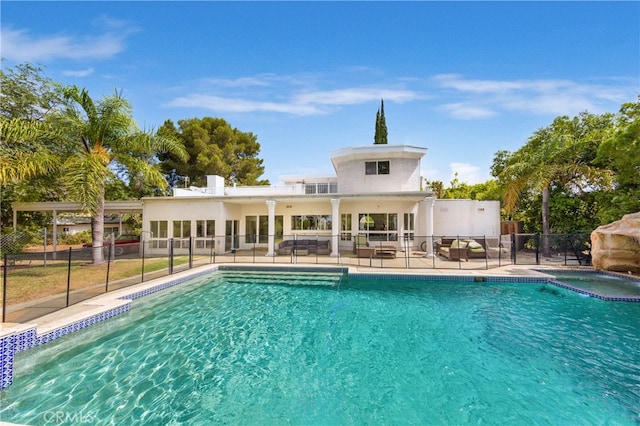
(335, 227)
(429, 202)
(271, 205)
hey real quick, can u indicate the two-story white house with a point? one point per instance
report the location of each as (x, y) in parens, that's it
(375, 193)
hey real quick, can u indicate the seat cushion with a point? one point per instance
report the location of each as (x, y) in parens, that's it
(475, 245)
(458, 244)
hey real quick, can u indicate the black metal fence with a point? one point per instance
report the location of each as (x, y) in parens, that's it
(36, 283)
(565, 249)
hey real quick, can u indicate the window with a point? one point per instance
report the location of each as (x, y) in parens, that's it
(310, 188)
(251, 229)
(205, 231)
(257, 229)
(345, 227)
(321, 188)
(159, 229)
(378, 225)
(263, 229)
(409, 225)
(376, 167)
(181, 233)
(311, 222)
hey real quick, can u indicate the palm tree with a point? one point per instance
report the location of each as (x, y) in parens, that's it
(22, 152)
(558, 155)
(107, 142)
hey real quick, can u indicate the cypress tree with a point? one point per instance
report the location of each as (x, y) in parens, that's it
(380, 136)
(376, 135)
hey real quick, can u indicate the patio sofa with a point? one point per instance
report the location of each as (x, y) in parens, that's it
(286, 247)
(454, 249)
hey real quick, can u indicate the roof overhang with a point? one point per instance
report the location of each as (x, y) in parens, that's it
(415, 196)
(380, 151)
(110, 207)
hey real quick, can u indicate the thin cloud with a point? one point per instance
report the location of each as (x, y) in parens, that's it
(285, 94)
(466, 173)
(353, 96)
(238, 82)
(78, 73)
(23, 46)
(236, 105)
(468, 111)
(487, 98)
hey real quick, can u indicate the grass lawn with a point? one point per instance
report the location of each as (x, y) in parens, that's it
(32, 282)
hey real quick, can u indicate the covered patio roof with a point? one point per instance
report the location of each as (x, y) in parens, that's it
(133, 206)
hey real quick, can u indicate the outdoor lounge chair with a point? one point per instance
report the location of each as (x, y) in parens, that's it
(458, 250)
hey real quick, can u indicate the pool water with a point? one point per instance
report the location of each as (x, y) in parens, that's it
(259, 348)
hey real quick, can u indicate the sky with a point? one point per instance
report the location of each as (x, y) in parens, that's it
(463, 79)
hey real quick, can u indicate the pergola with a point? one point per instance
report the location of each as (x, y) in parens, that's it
(110, 207)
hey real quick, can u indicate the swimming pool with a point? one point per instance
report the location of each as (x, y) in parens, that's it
(263, 348)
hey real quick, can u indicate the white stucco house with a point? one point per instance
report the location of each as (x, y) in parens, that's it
(375, 194)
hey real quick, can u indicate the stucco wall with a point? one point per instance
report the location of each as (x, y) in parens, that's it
(183, 209)
(404, 175)
(466, 217)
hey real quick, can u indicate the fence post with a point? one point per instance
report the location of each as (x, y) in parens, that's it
(68, 276)
(44, 249)
(486, 252)
(170, 256)
(106, 286)
(142, 276)
(191, 252)
(513, 249)
(4, 289)
(537, 239)
(405, 238)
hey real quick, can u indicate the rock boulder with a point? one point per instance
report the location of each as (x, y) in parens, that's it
(616, 246)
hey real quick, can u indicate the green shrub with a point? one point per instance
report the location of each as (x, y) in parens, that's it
(77, 238)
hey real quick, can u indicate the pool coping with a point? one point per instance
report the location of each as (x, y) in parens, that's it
(16, 338)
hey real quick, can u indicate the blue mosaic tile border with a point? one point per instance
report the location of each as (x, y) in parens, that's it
(168, 284)
(592, 271)
(13, 344)
(258, 268)
(7, 352)
(404, 277)
(79, 325)
(431, 278)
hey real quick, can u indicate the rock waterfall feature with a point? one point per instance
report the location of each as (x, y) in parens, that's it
(616, 246)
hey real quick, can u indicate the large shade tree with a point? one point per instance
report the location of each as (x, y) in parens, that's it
(560, 156)
(107, 142)
(214, 148)
(621, 153)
